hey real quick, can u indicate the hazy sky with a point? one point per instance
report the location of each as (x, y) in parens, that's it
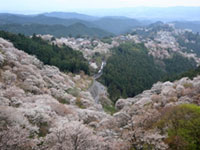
(73, 5)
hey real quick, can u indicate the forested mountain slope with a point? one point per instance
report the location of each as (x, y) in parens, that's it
(130, 70)
(65, 58)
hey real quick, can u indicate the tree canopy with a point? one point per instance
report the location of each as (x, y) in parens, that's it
(130, 70)
(182, 124)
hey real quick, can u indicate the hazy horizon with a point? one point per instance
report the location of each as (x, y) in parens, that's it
(87, 11)
(86, 6)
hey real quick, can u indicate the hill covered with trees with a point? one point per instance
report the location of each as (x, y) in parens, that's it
(130, 70)
(65, 58)
(190, 74)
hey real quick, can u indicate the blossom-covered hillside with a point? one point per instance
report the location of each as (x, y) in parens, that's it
(42, 108)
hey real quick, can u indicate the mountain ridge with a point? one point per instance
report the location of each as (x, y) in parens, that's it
(71, 15)
(114, 25)
(76, 29)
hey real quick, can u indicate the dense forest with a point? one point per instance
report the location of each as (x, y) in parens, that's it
(190, 74)
(177, 65)
(130, 70)
(65, 58)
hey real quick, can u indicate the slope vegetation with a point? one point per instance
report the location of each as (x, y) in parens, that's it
(65, 58)
(130, 70)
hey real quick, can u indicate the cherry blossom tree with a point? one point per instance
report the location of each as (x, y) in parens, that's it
(16, 138)
(73, 136)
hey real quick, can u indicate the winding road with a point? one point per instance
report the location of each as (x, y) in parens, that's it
(97, 89)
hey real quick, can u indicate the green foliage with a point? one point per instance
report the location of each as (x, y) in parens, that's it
(74, 92)
(66, 59)
(190, 73)
(177, 65)
(109, 109)
(130, 70)
(183, 127)
(64, 101)
(98, 58)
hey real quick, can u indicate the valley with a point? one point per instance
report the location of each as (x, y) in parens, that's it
(70, 81)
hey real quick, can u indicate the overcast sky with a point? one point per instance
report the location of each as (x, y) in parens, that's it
(31, 6)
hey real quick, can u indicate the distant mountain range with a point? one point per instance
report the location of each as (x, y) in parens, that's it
(117, 25)
(166, 14)
(114, 24)
(88, 25)
(71, 15)
(67, 23)
(39, 19)
(76, 29)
